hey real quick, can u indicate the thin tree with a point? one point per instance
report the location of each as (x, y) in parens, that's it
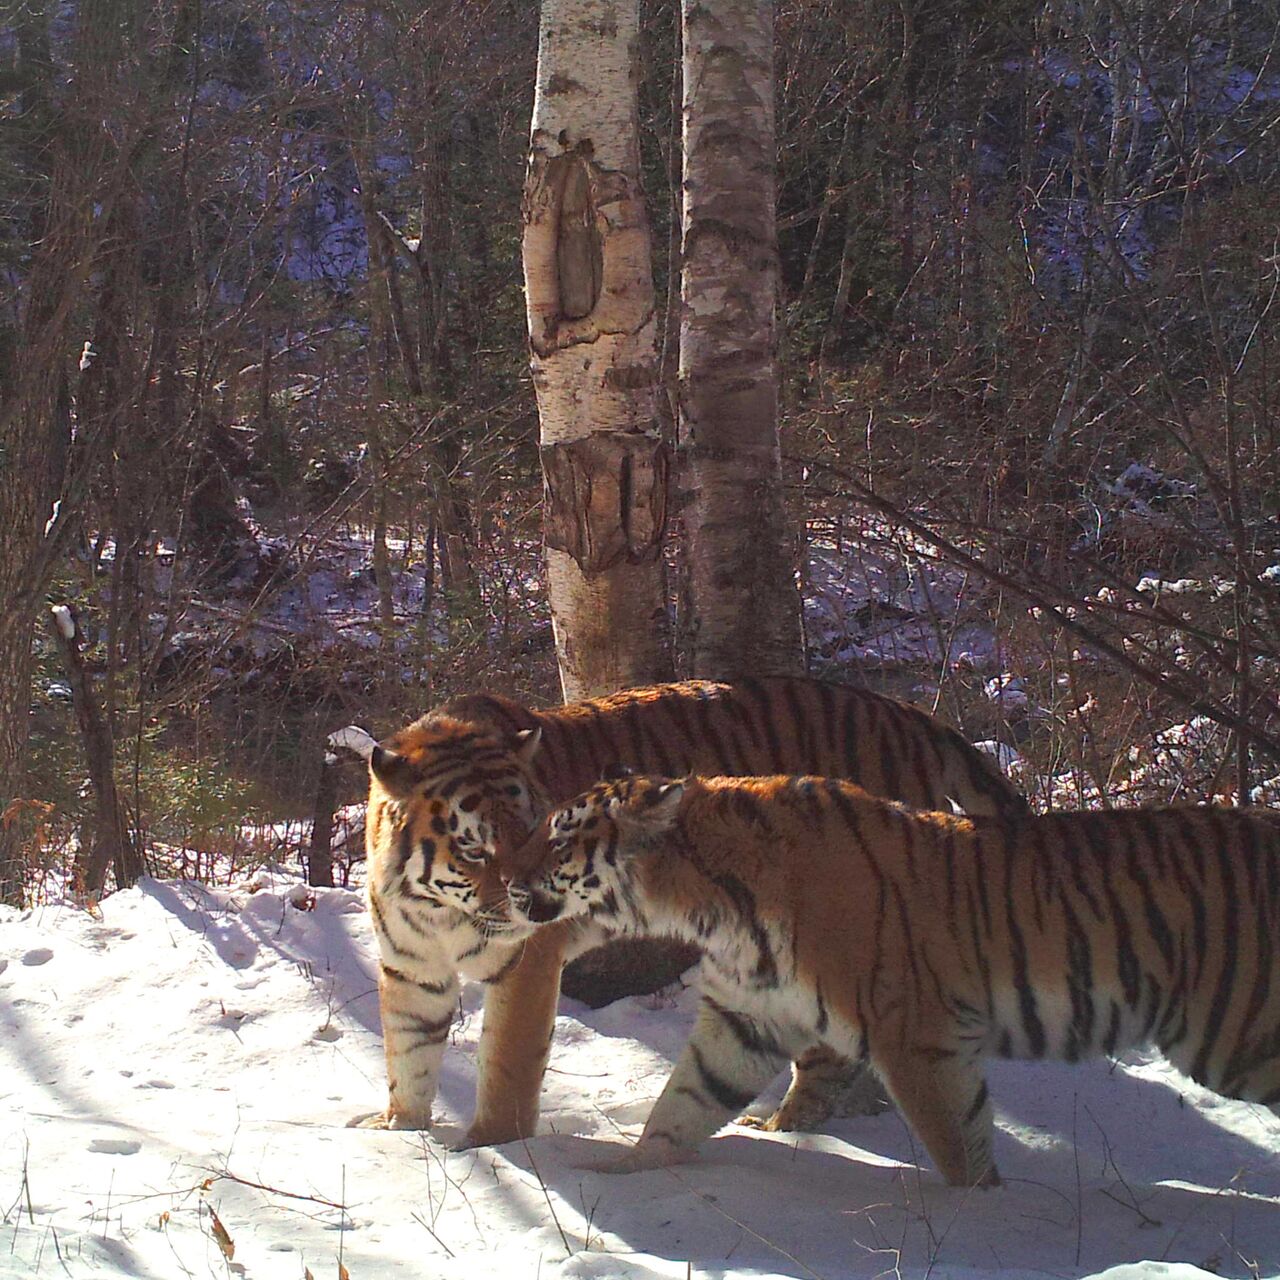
(115, 843)
(589, 293)
(69, 170)
(744, 601)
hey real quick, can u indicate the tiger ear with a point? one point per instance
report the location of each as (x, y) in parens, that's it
(651, 811)
(527, 742)
(394, 771)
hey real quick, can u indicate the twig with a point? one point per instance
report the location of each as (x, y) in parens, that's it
(24, 1191)
(1075, 1151)
(1109, 1159)
(342, 1224)
(426, 1226)
(564, 1240)
(225, 1175)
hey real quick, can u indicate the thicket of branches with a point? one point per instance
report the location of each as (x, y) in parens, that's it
(262, 295)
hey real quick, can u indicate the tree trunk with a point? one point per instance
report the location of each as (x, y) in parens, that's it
(33, 375)
(592, 331)
(589, 292)
(385, 335)
(452, 509)
(114, 843)
(744, 601)
(320, 853)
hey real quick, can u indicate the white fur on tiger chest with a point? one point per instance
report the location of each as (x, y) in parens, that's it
(435, 935)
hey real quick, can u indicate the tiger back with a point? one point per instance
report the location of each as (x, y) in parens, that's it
(778, 724)
(451, 794)
(926, 942)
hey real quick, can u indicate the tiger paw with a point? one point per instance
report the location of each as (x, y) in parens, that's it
(483, 1134)
(369, 1120)
(388, 1120)
(766, 1124)
(657, 1153)
(805, 1110)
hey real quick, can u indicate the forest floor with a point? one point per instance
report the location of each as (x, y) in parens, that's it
(179, 1064)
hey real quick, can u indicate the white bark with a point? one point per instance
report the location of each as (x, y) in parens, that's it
(589, 294)
(744, 599)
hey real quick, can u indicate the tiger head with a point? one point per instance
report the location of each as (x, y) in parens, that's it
(447, 798)
(579, 860)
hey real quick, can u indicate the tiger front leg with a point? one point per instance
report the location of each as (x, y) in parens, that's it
(942, 1094)
(417, 1010)
(729, 1058)
(515, 1039)
(823, 1084)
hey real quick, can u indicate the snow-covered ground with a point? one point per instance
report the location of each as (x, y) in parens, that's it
(177, 1069)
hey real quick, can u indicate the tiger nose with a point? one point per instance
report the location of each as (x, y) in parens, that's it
(537, 908)
(542, 910)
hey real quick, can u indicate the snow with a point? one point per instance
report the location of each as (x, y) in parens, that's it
(181, 1052)
(879, 600)
(354, 739)
(63, 620)
(1007, 690)
(1008, 758)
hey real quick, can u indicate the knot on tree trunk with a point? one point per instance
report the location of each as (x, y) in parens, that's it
(606, 499)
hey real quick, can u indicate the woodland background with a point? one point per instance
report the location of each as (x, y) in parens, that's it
(262, 345)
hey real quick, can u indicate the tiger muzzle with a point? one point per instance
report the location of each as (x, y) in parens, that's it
(537, 908)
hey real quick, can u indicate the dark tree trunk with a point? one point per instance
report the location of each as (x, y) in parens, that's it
(320, 854)
(114, 843)
(34, 392)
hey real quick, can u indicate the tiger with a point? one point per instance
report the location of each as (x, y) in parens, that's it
(452, 793)
(924, 942)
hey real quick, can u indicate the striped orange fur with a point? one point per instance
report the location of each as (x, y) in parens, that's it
(926, 942)
(452, 793)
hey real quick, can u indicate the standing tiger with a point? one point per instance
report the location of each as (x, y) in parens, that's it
(925, 942)
(451, 793)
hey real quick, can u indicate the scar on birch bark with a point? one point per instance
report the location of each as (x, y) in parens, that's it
(606, 499)
(579, 254)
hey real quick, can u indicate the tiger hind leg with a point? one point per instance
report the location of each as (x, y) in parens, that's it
(943, 1097)
(823, 1084)
(1249, 1070)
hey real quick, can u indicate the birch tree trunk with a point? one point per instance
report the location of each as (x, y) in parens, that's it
(744, 601)
(589, 293)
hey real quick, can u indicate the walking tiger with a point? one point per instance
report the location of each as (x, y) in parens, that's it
(925, 942)
(453, 792)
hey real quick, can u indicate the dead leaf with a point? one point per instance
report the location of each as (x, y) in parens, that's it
(225, 1242)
